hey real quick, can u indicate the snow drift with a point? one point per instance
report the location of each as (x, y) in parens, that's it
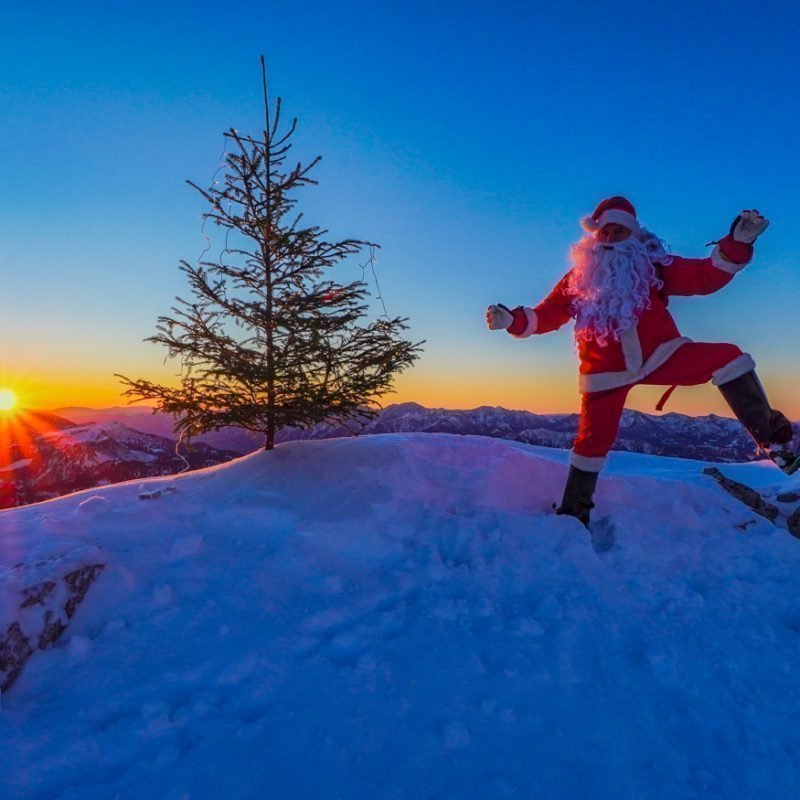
(402, 616)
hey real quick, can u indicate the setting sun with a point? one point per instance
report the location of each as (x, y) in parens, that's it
(8, 400)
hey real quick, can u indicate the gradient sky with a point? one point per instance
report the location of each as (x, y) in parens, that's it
(466, 138)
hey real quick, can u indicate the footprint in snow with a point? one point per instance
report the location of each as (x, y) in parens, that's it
(603, 535)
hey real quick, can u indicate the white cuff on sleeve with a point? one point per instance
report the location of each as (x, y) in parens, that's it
(532, 323)
(740, 365)
(720, 262)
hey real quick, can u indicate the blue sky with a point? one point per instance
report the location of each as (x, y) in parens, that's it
(467, 140)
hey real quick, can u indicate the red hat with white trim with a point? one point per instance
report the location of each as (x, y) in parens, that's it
(614, 209)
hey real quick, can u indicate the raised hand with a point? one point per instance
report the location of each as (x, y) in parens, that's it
(748, 226)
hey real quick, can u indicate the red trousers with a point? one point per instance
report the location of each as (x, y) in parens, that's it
(691, 364)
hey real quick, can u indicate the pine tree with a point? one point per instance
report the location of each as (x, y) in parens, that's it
(269, 339)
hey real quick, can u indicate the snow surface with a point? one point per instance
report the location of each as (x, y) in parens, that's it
(402, 616)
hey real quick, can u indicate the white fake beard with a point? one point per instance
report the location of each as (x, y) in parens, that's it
(612, 282)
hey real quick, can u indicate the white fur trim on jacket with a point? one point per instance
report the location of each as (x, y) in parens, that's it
(602, 381)
(587, 463)
(530, 328)
(720, 262)
(740, 365)
(631, 350)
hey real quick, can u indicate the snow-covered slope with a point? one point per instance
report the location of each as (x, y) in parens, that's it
(402, 616)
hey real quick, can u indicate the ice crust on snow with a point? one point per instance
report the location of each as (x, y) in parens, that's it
(402, 616)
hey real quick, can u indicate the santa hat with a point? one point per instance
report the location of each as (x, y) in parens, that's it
(614, 209)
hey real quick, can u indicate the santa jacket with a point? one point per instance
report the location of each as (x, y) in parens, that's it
(642, 349)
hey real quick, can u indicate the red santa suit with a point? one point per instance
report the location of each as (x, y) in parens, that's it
(652, 352)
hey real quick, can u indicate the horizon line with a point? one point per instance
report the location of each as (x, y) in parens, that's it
(152, 410)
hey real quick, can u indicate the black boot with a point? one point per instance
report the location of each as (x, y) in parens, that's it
(578, 493)
(770, 429)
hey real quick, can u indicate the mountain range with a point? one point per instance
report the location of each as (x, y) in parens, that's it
(708, 437)
(44, 455)
(47, 454)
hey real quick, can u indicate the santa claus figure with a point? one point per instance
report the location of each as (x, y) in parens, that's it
(617, 292)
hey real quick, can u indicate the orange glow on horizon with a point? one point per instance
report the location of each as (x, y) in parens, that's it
(541, 392)
(55, 393)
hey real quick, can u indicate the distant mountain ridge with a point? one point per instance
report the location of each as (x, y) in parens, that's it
(711, 437)
(43, 455)
(703, 438)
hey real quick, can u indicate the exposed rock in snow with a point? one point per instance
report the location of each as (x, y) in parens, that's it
(750, 497)
(38, 600)
(793, 523)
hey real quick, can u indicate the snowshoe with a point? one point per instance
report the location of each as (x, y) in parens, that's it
(784, 457)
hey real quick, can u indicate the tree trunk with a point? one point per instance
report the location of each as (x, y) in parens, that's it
(269, 441)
